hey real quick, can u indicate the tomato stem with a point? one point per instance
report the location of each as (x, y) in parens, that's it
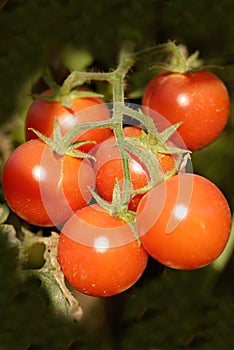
(116, 78)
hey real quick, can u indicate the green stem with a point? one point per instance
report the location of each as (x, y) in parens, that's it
(49, 80)
(118, 84)
(153, 50)
(126, 61)
(72, 133)
(117, 80)
(73, 79)
(145, 121)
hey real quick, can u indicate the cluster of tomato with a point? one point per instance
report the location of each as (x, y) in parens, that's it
(183, 222)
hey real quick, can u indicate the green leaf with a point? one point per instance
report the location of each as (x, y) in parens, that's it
(4, 213)
(77, 59)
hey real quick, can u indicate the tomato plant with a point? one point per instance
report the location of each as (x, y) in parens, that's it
(199, 100)
(44, 188)
(98, 253)
(42, 113)
(182, 220)
(185, 222)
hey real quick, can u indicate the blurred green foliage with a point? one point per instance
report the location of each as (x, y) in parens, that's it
(173, 310)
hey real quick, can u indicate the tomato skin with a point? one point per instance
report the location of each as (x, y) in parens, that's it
(42, 113)
(43, 188)
(108, 167)
(106, 176)
(185, 222)
(200, 100)
(94, 270)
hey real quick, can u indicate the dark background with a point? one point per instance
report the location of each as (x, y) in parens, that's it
(166, 309)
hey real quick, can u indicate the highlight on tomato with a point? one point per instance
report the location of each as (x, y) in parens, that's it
(42, 113)
(185, 222)
(99, 254)
(198, 99)
(44, 188)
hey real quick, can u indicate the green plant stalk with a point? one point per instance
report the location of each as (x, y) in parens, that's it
(117, 80)
(50, 273)
(118, 83)
(73, 79)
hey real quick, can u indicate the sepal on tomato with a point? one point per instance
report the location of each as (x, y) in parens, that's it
(64, 93)
(62, 145)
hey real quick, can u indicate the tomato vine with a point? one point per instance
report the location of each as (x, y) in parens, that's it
(144, 148)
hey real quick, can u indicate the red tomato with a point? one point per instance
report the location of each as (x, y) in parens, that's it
(185, 222)
(199, 100)
(43, 188)
(99, 254)
(42, 113)
(108, 167)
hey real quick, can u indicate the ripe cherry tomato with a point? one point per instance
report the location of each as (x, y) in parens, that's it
(99, 254)
(42, 113)
(43, 188)
(184, 223)
(200, 100)
(108, 167)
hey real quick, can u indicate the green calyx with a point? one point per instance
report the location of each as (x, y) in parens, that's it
(179, 61)
(63, 145)
(65, 93)
(66, 99)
